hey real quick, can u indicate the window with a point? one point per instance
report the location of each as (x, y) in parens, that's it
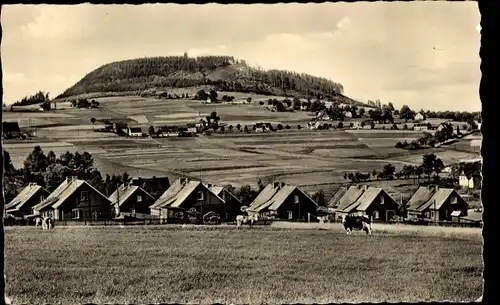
(432, 214)
(139, 198)
(42, 198)
(84, 195)
(132, 211)
(381, 199)
(376, 215)
(296, 198)
(200, 195)
(454, 200)
(290, 214)
(75, 213)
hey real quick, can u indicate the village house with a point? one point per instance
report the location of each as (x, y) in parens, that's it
(131, 200)
(260, 127)
(192, 128)
(419, 117)
(10, 130)
(187, 197)
(435, 203)
(471, 181)
(134, 132)
(284, 202)
(30, 196)
(361, 200)
(313, 124)
(120, 128)
(75, 199)
(232, 205)
(169, 131)
(348, 114)
(421, 126)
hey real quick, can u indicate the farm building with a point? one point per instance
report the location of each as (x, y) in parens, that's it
(10, 130)
(30, 196)
(134, 132)
(435, 203)
(284, 202)
(231, 203)
(419, 117)
(364, 200)
(186, 196)
(191, 128)
(131, 200)
(120, 128)
(74, 199)
(421, 126)
(169, 131)
(469, 181)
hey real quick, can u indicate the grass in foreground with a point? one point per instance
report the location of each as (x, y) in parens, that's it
(227, 265)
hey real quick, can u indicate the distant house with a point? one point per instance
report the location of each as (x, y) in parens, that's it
(232, 204)
(470, 181)
(303, 108)
(192, 128)
(30, 196)
(283, 201)
(186, 196)
(120, 128)
(131, 200)
(75, 199)
(169, 131)
(366, 200)
(10, 130)
(135, 132)
(421, 126)
(313, 124)
(433, 202)
(260, 127)
(348, 114)
(419, 117)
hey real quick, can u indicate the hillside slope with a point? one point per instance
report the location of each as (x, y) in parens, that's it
(222, 72)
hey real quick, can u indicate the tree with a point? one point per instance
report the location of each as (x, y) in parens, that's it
(92, 120)
(361, 112)
(55, 174)
(151, 131)
(287, 127)
(249, 100)
(428, 164)
(213, 96)
(7, 161)
(246, 194)
(320, 198)
(299, 127)
(340, 125)
(261, 103)
(280, 107)
(238, 126)
(230, 127)
(406, 113)
(36, 161)
(201, 95)
(388, 171)
(280, 127)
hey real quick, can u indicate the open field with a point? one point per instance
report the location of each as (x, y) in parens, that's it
(227, 265)
(303, 157)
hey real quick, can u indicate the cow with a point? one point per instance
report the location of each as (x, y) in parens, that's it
(47, 223)
(38, 221)
(357, 223)
(251, 219)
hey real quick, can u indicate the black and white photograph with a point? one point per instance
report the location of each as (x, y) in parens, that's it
(242, 154)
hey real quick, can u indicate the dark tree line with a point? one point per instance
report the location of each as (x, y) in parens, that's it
(49, 170)
(183, 71)
(36, 98)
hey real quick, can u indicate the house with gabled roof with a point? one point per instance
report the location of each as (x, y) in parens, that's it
(131, 200)
(367, 200)
(232, 205)
(75, 199)
(433, 202)
(187, 197)
(283, 201)
(30, 196)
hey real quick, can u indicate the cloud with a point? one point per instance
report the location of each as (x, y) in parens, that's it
(344, 23)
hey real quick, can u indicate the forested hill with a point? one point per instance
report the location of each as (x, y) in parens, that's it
(223, 72)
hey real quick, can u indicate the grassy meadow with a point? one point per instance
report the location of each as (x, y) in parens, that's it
(169, 264)
(308, 158)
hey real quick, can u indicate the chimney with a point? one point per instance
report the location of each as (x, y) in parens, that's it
(209, 185)
(437, 188)
(276, 184)
(184, 180)
(365, 187)
(68, 179)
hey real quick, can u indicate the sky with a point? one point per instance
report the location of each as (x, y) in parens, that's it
(422, 54)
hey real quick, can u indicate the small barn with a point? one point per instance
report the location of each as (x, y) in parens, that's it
(30, 196)
(135, 132)
(75, 199)
(284, 201)
(364, 200)
(131, 200)
(231, 202)
(435, 203)
(187, 197)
